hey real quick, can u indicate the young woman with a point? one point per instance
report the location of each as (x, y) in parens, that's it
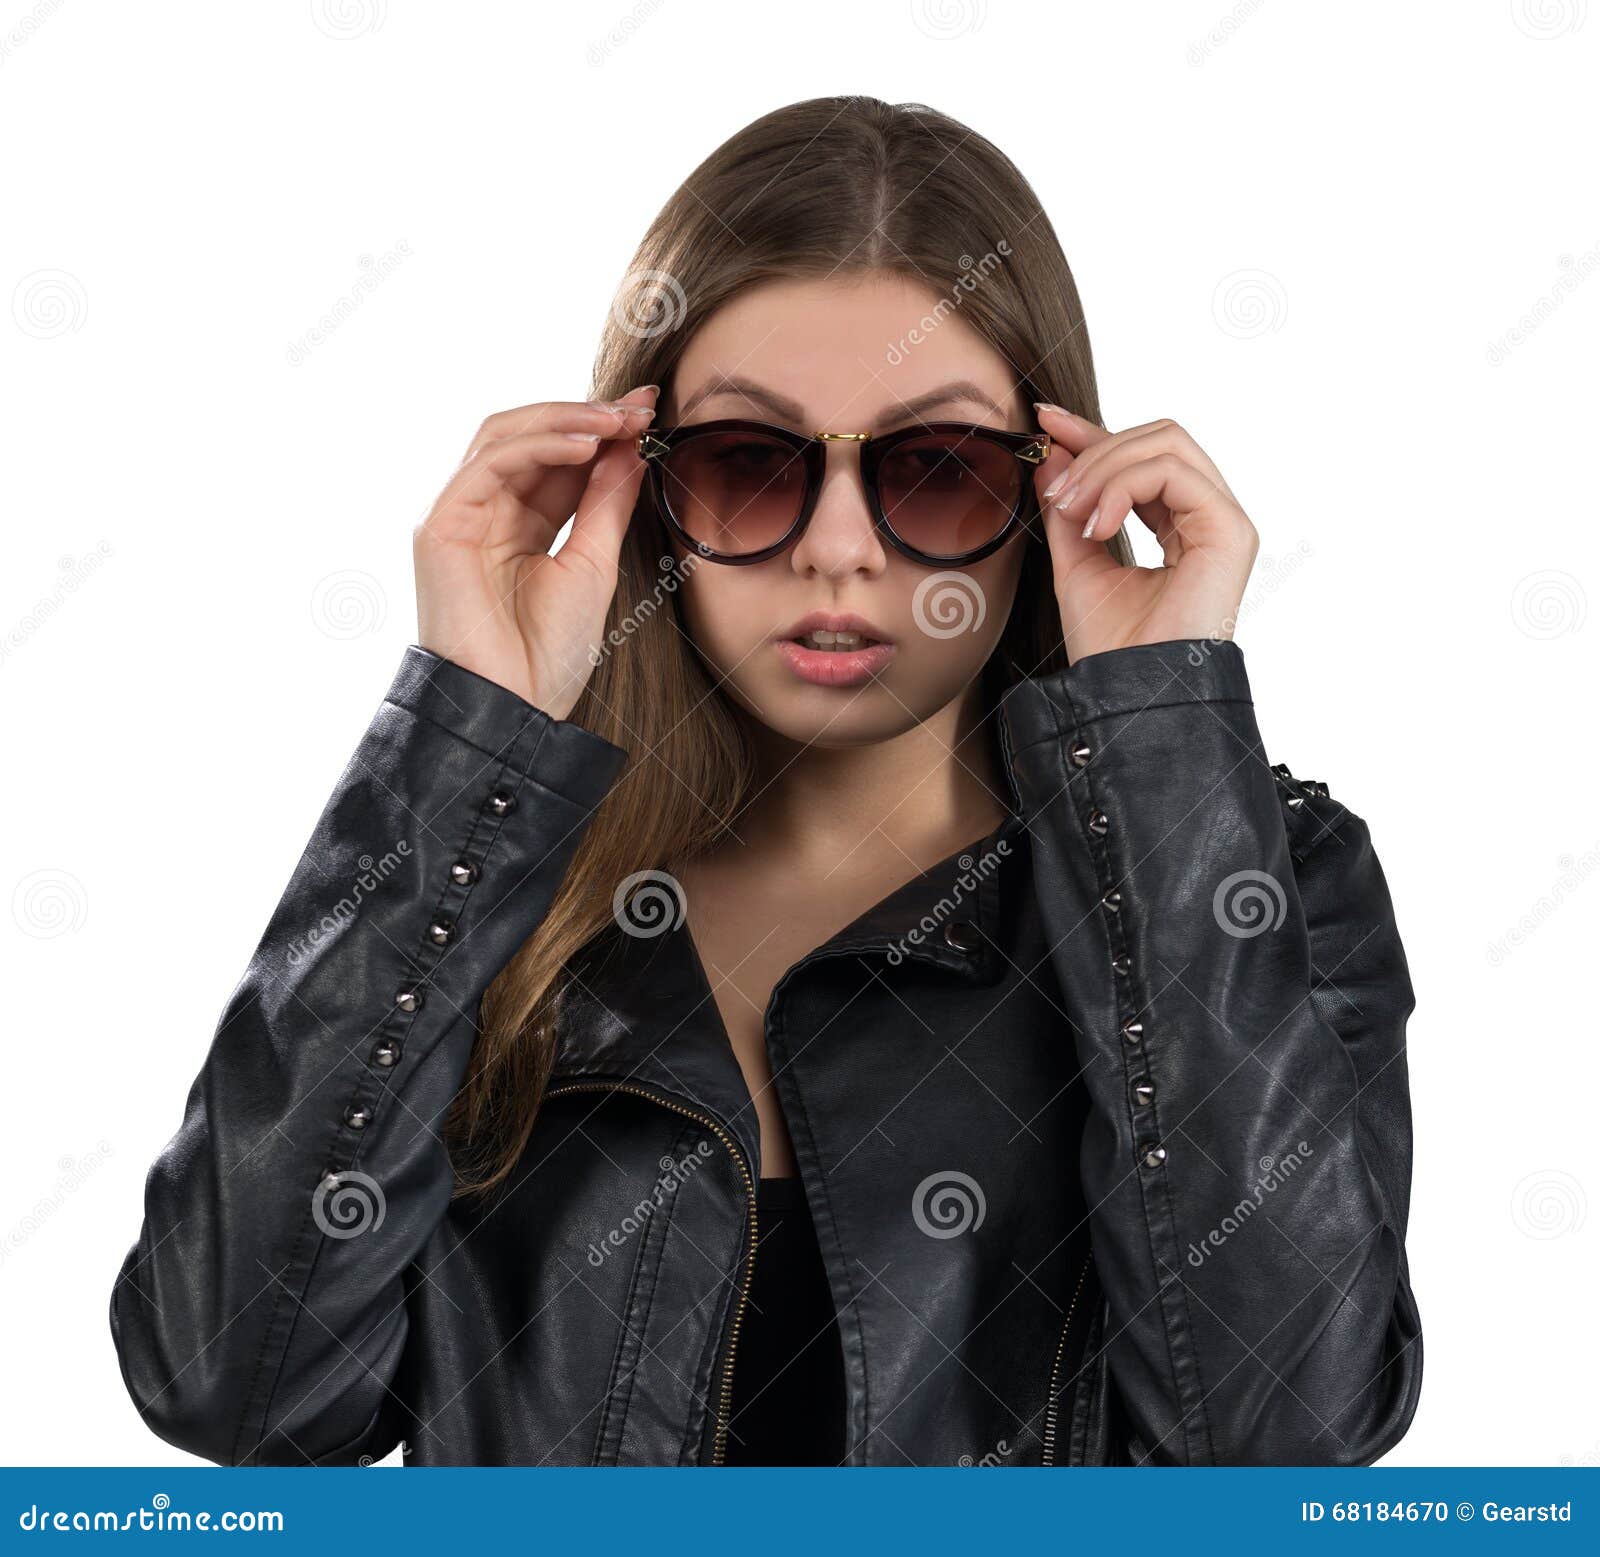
(816, 968)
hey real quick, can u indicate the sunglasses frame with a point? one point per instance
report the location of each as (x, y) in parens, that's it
(655, 443)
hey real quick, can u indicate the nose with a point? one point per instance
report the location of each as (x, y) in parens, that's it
(841, 538)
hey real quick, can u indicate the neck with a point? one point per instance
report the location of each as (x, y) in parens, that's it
(922, 795)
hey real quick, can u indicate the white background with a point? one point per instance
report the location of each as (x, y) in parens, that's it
(1353, 248)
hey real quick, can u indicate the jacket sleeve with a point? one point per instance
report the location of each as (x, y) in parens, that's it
(260, 1318)
(1224, 942)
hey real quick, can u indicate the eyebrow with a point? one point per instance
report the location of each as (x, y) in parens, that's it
(961, 390)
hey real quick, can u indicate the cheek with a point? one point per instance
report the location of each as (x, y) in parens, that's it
(722, 614)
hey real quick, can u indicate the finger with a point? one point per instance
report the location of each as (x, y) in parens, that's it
(1070, 435)
(1197, 517)
(597, 416)
(606, 507)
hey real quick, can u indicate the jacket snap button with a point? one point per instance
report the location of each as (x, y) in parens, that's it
(1154, 1156)
(1122, 966)
(440, 931)
(386, 1054)
(502, 804)
(1080, 754)
(358, 1118)
(463, 873)
(1133, 1031)
(963, 935)
(408, 1000)
(1144, 1093)
(1099, 823)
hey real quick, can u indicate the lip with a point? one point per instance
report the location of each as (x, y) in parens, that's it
(833, 667)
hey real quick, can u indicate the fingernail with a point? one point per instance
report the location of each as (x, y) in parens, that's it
(1067, 495)
(1056, 485)
(1088, 529)
(1045, 405)
(585, 437)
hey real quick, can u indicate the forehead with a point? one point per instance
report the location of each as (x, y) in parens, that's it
(846, 350)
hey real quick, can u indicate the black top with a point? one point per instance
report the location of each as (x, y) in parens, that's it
(788, 1375)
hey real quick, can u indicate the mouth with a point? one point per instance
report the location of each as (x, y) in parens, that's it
(825, 642)
(836, 651)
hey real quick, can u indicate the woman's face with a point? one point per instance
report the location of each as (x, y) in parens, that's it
(834, 356)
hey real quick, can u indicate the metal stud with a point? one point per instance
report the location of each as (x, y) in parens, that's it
(1080, 754)
(440, 932)
(963, 935)
(1153, 1156)
(463, 873)
(358, 1118)
(386, 1054)
(1144, 1093)
(408, 1000)
(1113, 902)
(501, 803)
(1133, 1030)
(1099, 823)
(1122, 965)
(331, 1182)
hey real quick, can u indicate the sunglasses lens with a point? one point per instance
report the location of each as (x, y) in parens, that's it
(947, 494)
(735, 492)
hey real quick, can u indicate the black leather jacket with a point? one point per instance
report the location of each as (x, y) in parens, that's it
(1104, 1123)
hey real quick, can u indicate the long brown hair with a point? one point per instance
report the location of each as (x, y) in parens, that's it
(830, 187)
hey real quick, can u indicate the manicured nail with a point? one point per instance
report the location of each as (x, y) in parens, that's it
(1056, 485)
(1045, 405)
(1088, 529)
(1068, 492)
(585, 437)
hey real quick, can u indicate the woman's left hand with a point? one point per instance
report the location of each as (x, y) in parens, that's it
(1160, 473)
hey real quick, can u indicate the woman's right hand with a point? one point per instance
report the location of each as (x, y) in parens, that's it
(490, 596)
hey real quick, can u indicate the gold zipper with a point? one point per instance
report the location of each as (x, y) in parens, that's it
(1055, 1367)
(725, 1388)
